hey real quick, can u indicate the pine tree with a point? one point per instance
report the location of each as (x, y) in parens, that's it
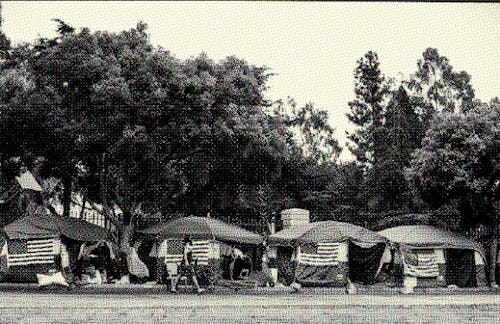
(402, 134)
(367, 109)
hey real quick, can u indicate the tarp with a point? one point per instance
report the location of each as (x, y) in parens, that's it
(28, 181)
(328, 250)
(290, 235)
(325, 231)
(425, 236)
(460, 270)
(321, 276)
(23, 228)
(44, 226)
(203, 228)
(364, 262)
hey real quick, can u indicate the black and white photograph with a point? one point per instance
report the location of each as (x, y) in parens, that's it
(249, 162)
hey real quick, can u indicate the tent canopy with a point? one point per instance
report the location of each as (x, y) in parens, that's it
(22, 228)
(42, 226)
(425, 236)
(203, 228)
(325, 231)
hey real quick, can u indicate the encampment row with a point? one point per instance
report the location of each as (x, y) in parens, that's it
(325, 253)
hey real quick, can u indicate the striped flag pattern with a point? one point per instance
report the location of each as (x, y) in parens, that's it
(26, 252)
(201, 250)
(175, 251)
(421, 264)
(320, 254)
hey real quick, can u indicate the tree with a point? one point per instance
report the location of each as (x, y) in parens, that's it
(228, 146)
(367, 109)
(311, 130)
(309, 167)
(459, 163)
(77, 93)
(440, 87)
(402, 132)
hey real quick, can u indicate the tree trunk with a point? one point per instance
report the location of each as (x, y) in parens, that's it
(67, 195)
(126, 232)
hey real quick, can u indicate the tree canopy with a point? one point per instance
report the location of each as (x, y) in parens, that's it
(131, 125)
(459, 160)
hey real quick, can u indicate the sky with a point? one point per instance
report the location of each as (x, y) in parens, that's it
(311, 47)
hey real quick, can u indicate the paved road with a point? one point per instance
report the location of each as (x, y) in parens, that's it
(304, 308)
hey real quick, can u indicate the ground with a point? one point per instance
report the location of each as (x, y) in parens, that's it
(255, 305)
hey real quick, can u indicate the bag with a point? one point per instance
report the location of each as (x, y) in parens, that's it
(51, 279)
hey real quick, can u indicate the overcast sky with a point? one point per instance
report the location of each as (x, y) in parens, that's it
(313, 47)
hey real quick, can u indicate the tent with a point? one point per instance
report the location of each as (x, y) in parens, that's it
(33, 243)
(435, 257)
(326, 253)
(211, 242)
(204, 228)
(46, 225)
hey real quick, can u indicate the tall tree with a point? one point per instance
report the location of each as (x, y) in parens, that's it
(367, 109)
(403, 131)
(440, 87)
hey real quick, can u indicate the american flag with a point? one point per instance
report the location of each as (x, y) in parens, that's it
(320, 254)
(421, 264)
(25, 252)
(175, 251)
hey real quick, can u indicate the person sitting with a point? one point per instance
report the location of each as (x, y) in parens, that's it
(240, 265)
(85, 258)
(187, 267)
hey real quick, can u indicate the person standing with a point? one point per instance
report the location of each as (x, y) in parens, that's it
(188, 266)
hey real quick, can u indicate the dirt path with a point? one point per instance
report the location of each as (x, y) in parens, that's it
(318, 308)
(234, 300)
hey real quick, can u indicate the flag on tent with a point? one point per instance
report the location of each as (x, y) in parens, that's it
(201, 250)
(25, 252)
(421, 264)
(320, 254)
(175, 251)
